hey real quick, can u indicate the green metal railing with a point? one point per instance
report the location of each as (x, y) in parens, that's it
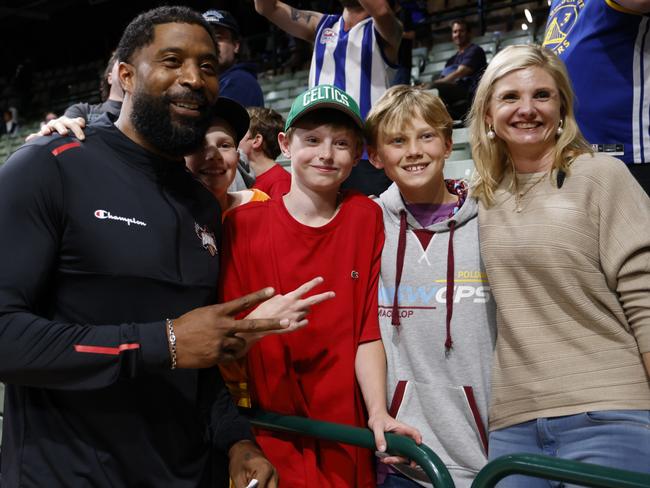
(432, 465)
(545, 467)
(551, 468)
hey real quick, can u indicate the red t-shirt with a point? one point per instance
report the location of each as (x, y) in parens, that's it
(275, 182)
(310, 372)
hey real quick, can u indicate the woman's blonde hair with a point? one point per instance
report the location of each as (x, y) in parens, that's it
(397, 107)
(491, 156)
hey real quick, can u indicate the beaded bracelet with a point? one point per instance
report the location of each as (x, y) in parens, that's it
(171, 337)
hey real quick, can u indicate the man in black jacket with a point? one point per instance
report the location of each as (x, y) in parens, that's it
(107, 240)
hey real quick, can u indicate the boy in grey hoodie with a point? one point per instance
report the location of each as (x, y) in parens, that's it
(436, 313)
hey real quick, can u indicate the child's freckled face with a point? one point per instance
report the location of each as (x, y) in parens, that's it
(322, 156)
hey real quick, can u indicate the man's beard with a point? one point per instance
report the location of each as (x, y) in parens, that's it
(152, 119)
(353, 4)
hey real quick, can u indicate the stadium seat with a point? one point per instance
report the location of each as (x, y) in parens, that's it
(461, 169)
(297, 90)
(419, 51)
(443, 46)
(425, 77)
(461, 136)
(282, 105)
(290, 83)
(513, 33)
(303, 74)
(274, 95)
(490, 47)
(480, 40)
(266, 85)
(415, 74)
(512, 41)
(284, 162)
(432, 69)
(460, 154)
(442, 55)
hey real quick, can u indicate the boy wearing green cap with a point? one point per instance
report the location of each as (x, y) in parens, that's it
(328, 370)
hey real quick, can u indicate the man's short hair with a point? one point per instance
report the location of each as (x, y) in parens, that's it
(104, 87)
(462, 22)
(140, 32)
(268, 123)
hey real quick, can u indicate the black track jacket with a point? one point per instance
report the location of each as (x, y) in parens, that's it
(100, 242)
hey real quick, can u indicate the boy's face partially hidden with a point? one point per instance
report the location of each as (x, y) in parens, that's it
(413, 157)
(322, 156)
(215, 164)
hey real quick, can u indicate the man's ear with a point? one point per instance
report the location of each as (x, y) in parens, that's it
(257, 141)
(126, 75)
(236, 47)
(283, 141)
(374, 158)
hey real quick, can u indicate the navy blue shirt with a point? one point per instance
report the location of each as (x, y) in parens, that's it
(473, 57)
(239, 83)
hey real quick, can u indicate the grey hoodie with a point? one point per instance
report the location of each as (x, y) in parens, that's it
(439, 351)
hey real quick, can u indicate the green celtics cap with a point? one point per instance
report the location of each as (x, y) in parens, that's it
(323, 96)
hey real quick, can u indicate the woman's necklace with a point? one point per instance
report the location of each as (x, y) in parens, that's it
(519, 195)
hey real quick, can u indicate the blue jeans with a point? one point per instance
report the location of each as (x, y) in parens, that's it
(612, 438)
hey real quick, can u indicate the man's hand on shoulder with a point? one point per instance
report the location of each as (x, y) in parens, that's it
(247, 462)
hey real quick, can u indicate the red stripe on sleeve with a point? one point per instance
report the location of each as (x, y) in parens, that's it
(58, 150)
(111, 351)
(398, 396)
(469, 394)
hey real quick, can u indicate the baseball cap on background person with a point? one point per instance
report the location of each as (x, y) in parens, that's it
(323, 96)
(222, 18)
(234, 113)
(237, 116)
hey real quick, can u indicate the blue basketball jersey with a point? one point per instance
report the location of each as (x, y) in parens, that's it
(354, 60)
(606, 49)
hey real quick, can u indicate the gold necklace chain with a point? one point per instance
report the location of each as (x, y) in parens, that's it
(519, 195)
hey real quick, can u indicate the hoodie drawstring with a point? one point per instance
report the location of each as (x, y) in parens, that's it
(450, 285)
(401, 250)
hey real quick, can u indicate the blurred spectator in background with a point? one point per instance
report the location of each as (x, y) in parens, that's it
(9, 125)
(260, 145)
(405, 54)
(355, 51)
(237, 81)
(299, 54)
(462, 71)
(47, 117)
(605, 47)
(20, 88)
(112, 95)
